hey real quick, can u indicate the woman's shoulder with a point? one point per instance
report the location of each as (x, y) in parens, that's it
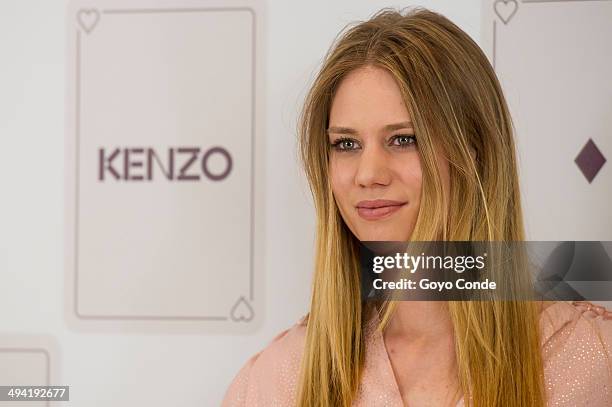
(577, 353)
(575, 319)
(269, 377)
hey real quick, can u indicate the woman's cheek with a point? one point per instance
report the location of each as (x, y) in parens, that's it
(412, 174)
(341, 176)
(341, 187)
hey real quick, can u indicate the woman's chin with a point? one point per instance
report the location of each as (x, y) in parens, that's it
(383, 237)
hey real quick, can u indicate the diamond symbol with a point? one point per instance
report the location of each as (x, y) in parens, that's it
(590, 160)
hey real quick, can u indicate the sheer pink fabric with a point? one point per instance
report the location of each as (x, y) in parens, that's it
(576, 369)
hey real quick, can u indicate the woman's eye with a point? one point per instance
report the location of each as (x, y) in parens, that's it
(404, 140)
(344, 144)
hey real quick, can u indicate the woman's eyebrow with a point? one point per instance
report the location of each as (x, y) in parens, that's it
(341, 130)
(388, 127)
(398, 126)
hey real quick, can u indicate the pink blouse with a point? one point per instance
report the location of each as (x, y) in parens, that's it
(577, 373)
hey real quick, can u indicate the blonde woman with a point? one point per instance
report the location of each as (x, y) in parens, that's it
(405, 136)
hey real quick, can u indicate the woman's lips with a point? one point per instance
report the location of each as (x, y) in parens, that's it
(378, 213)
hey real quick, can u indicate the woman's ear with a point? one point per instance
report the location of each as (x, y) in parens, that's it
(473, 153)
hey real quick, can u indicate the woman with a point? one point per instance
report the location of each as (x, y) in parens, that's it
(405, 135)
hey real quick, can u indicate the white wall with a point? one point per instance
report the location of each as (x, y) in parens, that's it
(153, 369)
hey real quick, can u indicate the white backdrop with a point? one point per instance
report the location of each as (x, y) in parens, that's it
(156, 368)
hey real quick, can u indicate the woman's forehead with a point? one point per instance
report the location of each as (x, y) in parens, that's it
(368, 99)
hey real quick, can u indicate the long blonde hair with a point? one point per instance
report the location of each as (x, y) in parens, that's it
(455, 100)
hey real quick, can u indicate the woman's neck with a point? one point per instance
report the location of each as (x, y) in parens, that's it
(427, 319)
(420, 320)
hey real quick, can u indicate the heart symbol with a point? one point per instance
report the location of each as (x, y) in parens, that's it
(88, 18)
(505, 9)
(242, 310)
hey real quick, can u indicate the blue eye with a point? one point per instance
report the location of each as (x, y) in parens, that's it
(344, 144)
(405, 140)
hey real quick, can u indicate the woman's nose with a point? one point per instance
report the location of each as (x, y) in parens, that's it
(373, 168)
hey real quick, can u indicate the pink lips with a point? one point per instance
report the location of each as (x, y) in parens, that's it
(378, 209)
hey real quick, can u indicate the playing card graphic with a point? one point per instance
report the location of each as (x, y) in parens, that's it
(553, 60)
(30, 360)
(164, 165)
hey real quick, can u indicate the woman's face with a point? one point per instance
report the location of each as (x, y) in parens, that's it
(375, 168)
